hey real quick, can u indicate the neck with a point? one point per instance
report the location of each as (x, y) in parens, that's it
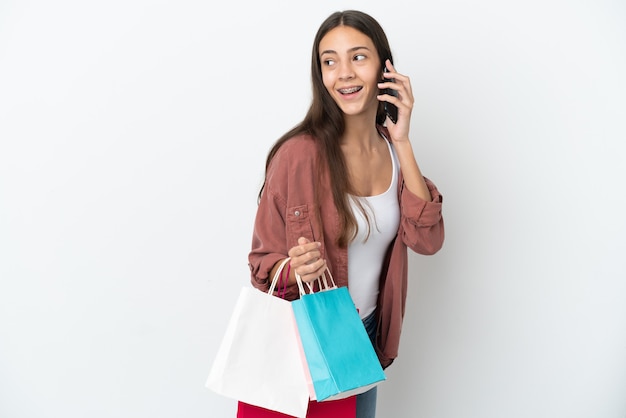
(360, 132)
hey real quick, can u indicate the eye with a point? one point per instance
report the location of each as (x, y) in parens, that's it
(328, 62)
(359, 57)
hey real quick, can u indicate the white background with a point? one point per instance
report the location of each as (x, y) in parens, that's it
(133, 136)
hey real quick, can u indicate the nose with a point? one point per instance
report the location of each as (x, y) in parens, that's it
(346, 72)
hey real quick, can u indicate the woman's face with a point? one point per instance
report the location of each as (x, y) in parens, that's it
(351, 70)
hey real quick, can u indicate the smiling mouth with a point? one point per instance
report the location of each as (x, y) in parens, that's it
(350, 90)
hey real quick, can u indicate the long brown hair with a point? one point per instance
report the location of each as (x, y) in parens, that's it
(324, 120)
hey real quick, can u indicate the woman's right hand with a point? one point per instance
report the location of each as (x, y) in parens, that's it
(306, 261)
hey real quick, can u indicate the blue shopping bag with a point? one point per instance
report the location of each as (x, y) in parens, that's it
(338, 351)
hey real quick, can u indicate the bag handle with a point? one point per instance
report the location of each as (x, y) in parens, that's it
(322, 282)
(277, 275)
(331, 280)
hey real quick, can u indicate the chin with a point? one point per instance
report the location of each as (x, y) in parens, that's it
(352, 111)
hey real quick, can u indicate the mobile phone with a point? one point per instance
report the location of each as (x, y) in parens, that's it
(390, 109)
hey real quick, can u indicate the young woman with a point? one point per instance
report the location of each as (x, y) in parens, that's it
(343, 189)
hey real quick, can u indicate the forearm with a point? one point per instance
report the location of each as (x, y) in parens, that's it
(413, 179)
(287, 274)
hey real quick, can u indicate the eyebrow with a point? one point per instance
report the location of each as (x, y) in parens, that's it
(356, 48)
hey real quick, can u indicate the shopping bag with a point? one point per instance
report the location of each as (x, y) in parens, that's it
(339, 354)
(342, 408)
(305, 366)
(258, 359)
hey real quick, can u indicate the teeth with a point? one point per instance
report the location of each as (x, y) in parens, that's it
(350, 90)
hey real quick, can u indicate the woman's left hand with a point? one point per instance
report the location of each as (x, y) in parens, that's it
(398, 131)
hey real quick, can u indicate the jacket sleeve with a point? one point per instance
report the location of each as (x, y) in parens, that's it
(421, 221)
(270, 237)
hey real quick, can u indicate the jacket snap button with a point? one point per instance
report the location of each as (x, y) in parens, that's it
(297, 213)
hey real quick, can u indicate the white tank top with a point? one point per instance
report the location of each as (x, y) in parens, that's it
(366, 253)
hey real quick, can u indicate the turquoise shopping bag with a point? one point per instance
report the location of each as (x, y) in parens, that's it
(338, 351)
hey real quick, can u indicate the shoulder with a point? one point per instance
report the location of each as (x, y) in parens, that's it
(293, 166)
(298, 151)
(298, 144)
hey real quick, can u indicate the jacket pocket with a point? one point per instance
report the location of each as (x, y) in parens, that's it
(299, 224)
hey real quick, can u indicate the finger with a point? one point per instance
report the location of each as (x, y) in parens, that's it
(392, 73)
(304, 247)
(299, 255)
(389, 65)
(402, 86)
(404, 99)
(396, 100)
(310, 272)
(400, 83)
(306, 251)
(399, 78)
(389, 85)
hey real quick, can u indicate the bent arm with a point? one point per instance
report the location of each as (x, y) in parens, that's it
(422, 227)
